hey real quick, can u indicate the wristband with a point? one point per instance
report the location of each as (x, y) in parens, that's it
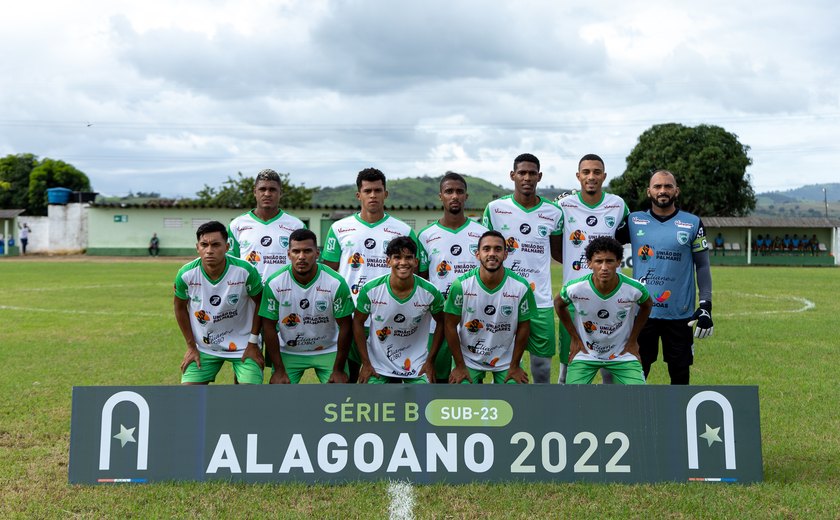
(254, 338)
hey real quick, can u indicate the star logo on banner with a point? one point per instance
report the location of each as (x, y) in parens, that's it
(127, 435)
(711, 435)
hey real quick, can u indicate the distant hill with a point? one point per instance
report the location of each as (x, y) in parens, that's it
(811, 192)
(805, 201)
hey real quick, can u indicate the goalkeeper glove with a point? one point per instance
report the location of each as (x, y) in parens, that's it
(702, 317)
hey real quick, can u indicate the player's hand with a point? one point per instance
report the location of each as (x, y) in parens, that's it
(575, 347)
(279, 377)
(365, 373)
(191, 356)
(458, 374)
(702, 317)
(518, 375)
(338, 376)
(428, 368)
(252, 351)
(632, 348)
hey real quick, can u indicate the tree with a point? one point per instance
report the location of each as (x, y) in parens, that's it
(239, 193)
(51, 173)
(708, 162)
(14, 180)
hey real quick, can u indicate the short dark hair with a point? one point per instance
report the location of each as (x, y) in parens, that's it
(397, 245)
(605, 245)
(591, 157)
(452, 176)
(526, 157)
(211, 227)
(267, 175)
(491, 233)
(662, 170)
(301, 235)
(370, 175)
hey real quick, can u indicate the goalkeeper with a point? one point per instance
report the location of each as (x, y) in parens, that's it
(670, 247)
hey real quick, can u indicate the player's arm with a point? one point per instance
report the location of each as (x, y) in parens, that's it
(269, 315)
(561, 305)
(252, 349)
(556, 244)
(520, 342)
(632, 346)
(422, 257)
(366, 370)
(182, 316)
(437, 341)
(702, 317)
(345, 335)
(450, 330)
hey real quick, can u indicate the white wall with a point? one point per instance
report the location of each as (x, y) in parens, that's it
(68, 229)
(39, 233)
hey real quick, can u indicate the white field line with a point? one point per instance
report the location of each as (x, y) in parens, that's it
(805, 305)
(402, 500)
(83, 312)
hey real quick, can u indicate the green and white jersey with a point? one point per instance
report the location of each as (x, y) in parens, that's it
(264, 244)
(221, 311)
(604, 321)
(399, 329)
(306, 314)
(584, 223)
(359, 248)
(489, 318)
(528, 244)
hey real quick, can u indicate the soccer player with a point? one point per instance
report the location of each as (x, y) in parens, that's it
(533, 227)
(493, 306)
(355, 245)
(216, 302)
(589, 214)
(450, 244)
(401, 306)
(670, 247)
(261, 236)
(610, 310)
(313, 305)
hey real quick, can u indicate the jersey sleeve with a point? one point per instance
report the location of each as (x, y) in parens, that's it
(558, 224)
(235, 250)
(437, 301)
(181, 287)
(455, 300)
(645, 296)
(699, 243)
(564, 294)
(527, 305)
(342, 301)
(363, 301)
(332, 248)
(485, 219)
(254, 282)
(269, 304)
(422, 257)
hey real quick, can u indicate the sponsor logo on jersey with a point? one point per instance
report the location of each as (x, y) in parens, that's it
(603, 314)
(455, 250)
(356, 287)
(640, 233)
(291, 320)
(233, 299)
(331, 244)
(304, 303)
(645, 253)
(489, 310)
(356, 260)
(589, 327)
(525, 228)
(682, 237)
(512, 245)
(459, 300)
(499, 211)
(591, 220)
(202, 316)
(253, 258)
(640, 221)
(545, 216)
(684, 225)
(533, 286)
(662, 297)
(265, 241)
(505, 227)
(345, 230)
(386, 229)
(370, 243)
(577, 237)
(609, 220)
(399, 318)
(383, 333)
(272, 305)
(443, 269)
(572, 220)
(473, 326)
(321, 305)
(215, 300)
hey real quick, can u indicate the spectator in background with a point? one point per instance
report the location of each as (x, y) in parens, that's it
(794, 243)
(24, 237)
(758, 244)
(804, 244)
(154, 245)
(718, 245)
(786, 242)
(815, 245)
(777, 244)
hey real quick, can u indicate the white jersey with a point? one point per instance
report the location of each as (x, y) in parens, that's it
(221, 311)
(584, 223)
(399, 329)
(359, 248)
(306, 314)
(489, 318)
(528, 243)
(263, 243)
(604, 321)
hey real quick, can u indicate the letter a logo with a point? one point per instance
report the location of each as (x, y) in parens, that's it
(107, 435)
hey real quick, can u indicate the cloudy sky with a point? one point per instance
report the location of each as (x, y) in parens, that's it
(170, 95)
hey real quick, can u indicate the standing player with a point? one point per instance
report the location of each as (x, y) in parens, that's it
(216, 302)
(313, 305)
(493, 307)
(261, 236)
(610, 311)
(450, 244)
(589, 214)
(533, 227)
(401, 306)
(670, 246)
(355, 245)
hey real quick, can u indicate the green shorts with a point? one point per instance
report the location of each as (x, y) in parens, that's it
(565, 337)
(376, 379)
(478, 377)
(297, 364)
(247, 372)
(542, 341)
(624, 372)
(443, 360)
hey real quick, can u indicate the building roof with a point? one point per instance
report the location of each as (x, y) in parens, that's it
(185, 204)
(769, 222)
(10, 213)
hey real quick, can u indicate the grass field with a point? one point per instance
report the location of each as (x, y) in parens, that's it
(68, 323)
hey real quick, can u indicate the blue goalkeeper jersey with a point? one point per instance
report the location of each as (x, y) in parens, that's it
(664, 261)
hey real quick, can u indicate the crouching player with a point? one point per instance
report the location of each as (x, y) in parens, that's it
(401, 306)
(493, 306)
(313, 305)
(610, 311)
(217, 298)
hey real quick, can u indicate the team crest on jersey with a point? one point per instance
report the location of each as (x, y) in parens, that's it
(609, 220)
(473, 249)
(253, 257)
(577, 237)
(589, 327)
(320, 305)
(506, 310)
(645, 253)
(233, 299)
(383, 333)
(356, 260)
(512, 245)
(284, 242)
(417, 319)
(443, 269)
(202, 316)
(473, 326)
(291, 320)
(682, 237)
(542, 231)
(621, 315)
(385, 244)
